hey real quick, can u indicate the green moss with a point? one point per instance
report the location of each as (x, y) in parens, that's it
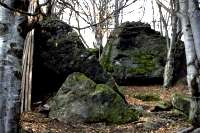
(102, 88)
(147, 97)
(138, 70)
(120, 113)
(144, 61)
(78, 79)
(123, 116)
(93, 51)
(82, 77)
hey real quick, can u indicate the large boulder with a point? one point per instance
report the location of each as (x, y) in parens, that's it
(136, 54)
(58, 52)
(82, 100)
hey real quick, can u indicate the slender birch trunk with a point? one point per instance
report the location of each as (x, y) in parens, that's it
(169, 66)
(165, 26)
(116, 14)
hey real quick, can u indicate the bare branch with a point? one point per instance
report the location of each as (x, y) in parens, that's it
(105, 19)
(162, 5)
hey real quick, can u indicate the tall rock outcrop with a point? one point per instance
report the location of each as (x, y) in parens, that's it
(136, 54)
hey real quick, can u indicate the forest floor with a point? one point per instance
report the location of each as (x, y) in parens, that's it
(150, 122)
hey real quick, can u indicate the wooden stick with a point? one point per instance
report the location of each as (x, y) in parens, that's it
(27, 63)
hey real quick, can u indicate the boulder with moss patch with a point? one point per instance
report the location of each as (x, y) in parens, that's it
(82, 100)
(135, 54)
(58, 52)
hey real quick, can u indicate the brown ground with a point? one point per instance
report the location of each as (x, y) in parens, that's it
(150, 122)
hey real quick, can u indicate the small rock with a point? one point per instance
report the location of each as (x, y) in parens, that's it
(181, 103)
(196, 130)
(162, 106)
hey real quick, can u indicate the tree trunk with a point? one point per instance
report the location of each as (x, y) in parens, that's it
(153, 15)
(99, 43)
(194, 16)
(169, 66)
(10, 68)
(116, 14)
(165, 25)
(192, 62)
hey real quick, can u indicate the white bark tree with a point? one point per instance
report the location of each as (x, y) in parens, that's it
(10, 68)
(169, 66)
(189, 16)
(194, 16)
(168, 75)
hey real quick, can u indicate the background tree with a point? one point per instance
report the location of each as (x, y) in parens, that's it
(99, 16)
(118, 5)
(91, 12)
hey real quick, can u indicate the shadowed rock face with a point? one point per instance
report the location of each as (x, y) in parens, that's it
(11, 44)
(59, 52)
(136, 54)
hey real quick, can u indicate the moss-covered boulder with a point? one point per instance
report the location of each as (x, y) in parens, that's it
(82, 100)
(136, 54)
(58, 52)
